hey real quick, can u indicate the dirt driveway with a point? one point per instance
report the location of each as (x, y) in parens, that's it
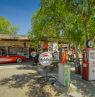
(21, 81)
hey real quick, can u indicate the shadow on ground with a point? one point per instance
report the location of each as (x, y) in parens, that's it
(35, 89)
(27, 67)
(86, 88)
(18, 81)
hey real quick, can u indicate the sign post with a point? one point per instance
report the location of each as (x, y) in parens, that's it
(33, 54)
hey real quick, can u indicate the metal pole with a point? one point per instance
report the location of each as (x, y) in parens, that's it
(46, 76)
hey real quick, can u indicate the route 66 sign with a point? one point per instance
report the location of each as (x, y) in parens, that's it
(45, 58)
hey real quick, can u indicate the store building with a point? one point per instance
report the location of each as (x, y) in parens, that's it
(14, 45)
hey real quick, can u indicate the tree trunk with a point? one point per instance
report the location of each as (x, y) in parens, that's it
(77, 61)
(85, 30)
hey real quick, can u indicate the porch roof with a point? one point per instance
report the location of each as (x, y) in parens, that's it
(14, 37)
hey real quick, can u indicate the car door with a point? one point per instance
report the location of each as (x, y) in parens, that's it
(5, 59)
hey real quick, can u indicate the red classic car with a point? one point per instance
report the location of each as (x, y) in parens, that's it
(12, 58)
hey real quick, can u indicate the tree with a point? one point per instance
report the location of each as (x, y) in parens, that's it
(48, 20)
(86, 10)
(6, 27)
(73, 17)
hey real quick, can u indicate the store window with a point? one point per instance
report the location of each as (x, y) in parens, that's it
(18, 51)
(15, 50)
(3, 51)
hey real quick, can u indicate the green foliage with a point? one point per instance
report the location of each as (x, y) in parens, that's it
(6, 27)
(75, 18)
(85, 9)
(91, 27)
(48, 19)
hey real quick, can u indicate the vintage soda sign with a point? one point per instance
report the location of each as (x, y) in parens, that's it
(45, 58)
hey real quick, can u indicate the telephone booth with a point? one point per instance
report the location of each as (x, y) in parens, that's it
(88, 66)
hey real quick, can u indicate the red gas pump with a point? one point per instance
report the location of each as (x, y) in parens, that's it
(88, 66)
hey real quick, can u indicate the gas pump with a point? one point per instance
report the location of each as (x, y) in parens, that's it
(88, 66)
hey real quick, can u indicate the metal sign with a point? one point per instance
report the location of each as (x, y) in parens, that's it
(45, 58)
(90, 43)
(55, 47)
(33, 53)
(50, 48)
(69, 52)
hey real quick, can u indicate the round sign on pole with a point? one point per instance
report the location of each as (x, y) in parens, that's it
(33, 53)
(45, 58)
(69, 52)
(90, 43)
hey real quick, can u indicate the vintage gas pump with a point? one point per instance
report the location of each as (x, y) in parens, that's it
(88, 67)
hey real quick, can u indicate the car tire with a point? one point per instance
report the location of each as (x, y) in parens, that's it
(19, 60)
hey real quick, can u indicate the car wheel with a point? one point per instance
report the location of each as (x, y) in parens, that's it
(19, 60)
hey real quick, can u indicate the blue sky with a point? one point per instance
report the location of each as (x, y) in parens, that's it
(19, 12)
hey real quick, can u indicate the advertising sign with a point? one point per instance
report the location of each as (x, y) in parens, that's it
(92, 64)
(55, 47)
(90, 43)
(33, 53)
(45, 58)
(66, 75)
(50, 49)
